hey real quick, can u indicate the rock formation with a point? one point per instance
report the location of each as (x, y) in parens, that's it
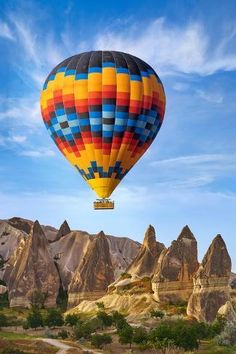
(144, 263)
(34, 270)
(94, 274)
(21, 224)
(69, 252)
(211, 282)
(172, 282)
(64, 230)
(137, 276)
(123, 250)
(227, 311)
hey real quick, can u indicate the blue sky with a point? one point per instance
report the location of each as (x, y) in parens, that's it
(187, 176)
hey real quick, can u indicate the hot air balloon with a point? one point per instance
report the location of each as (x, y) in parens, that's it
(103, 109)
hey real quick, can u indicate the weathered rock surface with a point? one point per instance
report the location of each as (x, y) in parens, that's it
(68, 252)
(144, 263)
(94, 274)
(123, 250)
(137, 277)
(10, 240)
(10, 237)
(227, 311)
(34, 269)
(172, 282)
(64, 230)
(3, 289)
(211, 282)
(137, 306)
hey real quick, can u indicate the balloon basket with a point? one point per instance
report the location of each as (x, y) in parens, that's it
(103, 204)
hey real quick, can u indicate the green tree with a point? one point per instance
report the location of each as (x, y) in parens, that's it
(126, 335)
(180, 333)
(83, 330)
(105, 319)
(54, 318)
(140, 335)
(72, 319)
(34, 319)
(62, 299)
(37, 299)
(3, 320)
(99, 340)
(117, 316)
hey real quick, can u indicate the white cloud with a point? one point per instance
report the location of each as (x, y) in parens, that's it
(24, 111)
(172, 49)
(5, 31)
(210, 96)
(18, 138)
(38, 153)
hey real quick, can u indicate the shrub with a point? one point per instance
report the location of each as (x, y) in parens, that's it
(125, 275)
(54, 318)
(72, 319)
(140, 335)
(49, 334)
(99, 340)
(228, 336)
(63, 334)
(12, 351)
(3, 320)
(34, 319)
(157, 314)
(100, 305)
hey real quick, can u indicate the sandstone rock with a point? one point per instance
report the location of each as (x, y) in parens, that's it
(144, 263)
(227, 311)
(137, 306)
(10, 239)
(123, 250)
(94, 274)
(21, 224)
(3, 289)
(137, 277)
(172, 282)
(211, 282)
(34, 269)
(64, 230)
(69, 251)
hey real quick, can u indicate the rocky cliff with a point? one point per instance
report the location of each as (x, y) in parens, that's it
(211, 282)
(173, 279)
(93, 274)
(34, 270)
(137, 276)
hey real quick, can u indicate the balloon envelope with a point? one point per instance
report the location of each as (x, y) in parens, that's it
(103, 109)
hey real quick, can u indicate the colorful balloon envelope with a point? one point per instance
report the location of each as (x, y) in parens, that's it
(103, 109)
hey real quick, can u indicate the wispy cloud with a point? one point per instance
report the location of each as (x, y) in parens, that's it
(172, 49)
(5, 31)
(24, 111)
(210, 96)
(39, 153)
